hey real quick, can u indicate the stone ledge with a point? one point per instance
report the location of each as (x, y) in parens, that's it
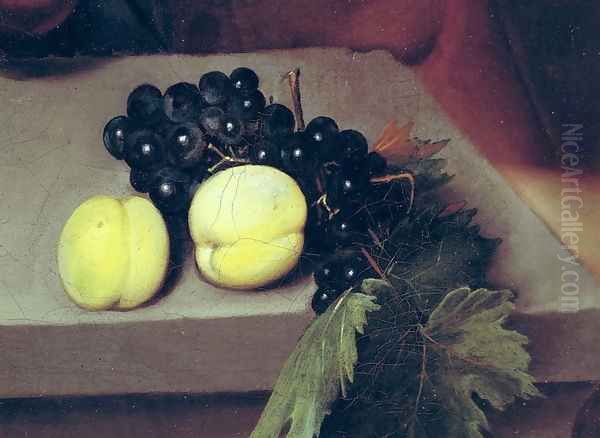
(200, 339)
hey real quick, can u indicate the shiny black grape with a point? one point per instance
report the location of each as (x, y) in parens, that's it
(141, 180)
(115, 132)
(323, 298)
(244, 79)
(169, 190)
(352, 273)
(297, 154)
(215, 88)
(342, 270)
(353, 147)
(247, 106)
(144, 149)
(345, 186)
(354, 267)
(351, 184)
(186, 145)
(326, 275)
(145, 104)
(212, 120)
(232, 131)
(182, 102)
(344, 230)
(277, 121)
(266, 153)
(314, 230)
(323, 131)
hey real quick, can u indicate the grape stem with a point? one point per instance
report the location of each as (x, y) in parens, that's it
(375, 238)
(323, 201)
(294, 81)
(224, 159)
(399, 176)
(373, 263)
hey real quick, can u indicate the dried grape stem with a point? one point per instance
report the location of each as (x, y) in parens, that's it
(389, 178)
(399, 176)
(224, 159)
(212, 147)
(323, 201)
(375, 238)
(373, 263)
(294, 81)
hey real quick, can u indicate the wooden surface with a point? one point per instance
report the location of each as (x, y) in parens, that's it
(235, 416)
(200, 339)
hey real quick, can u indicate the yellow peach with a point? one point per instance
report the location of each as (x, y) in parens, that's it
(247, 224)
(113, 253)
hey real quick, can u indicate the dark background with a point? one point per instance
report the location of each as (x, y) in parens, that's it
(554, 45)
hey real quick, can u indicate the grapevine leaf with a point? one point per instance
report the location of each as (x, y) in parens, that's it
(435, 254)
(317, 370)
(382, 397)
(475, 355)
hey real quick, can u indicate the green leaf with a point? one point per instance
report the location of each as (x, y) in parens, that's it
(382, 397)
(415, 381)
(374, 286)
(434, 254)
(317, 370)
(432, 249)
(474, 354)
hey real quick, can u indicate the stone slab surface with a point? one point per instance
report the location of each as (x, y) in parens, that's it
(199, 338)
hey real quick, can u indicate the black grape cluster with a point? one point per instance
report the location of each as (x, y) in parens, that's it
(338, 185)
(173, 141)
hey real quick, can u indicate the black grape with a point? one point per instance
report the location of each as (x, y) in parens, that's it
(323, 132)
(232, 131)
(115, 132)
(182, 102)
(144, 149)
(212, 120)
(345, 186)
(344, 230)
(141, 180)
(377, 164)
(186, 145)
(215, 88)
(244, 79)
(323, 298)
(247, 107)
(145, 104)
(354, 267)
(353, 147)
(164, 127)
(277, 121)
(327, 275)
(169, 190)
(296, 154)
(266, 152)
